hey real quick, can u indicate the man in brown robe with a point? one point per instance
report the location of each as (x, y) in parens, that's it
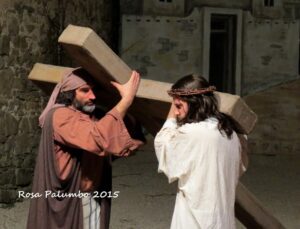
(74, 160)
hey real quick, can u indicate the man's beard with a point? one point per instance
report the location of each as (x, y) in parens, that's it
(83, 107)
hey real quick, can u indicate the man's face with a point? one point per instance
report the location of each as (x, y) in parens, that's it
(85, 98)
(181, 108)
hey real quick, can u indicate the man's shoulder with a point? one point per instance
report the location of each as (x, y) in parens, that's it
(201, 131)
(63, 113)
(206, 125)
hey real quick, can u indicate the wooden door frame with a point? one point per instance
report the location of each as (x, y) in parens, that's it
(207, 12)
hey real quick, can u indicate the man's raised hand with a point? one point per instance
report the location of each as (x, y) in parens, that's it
(129, 89)
(127, 92)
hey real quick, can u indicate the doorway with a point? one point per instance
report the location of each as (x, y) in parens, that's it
(222, 52)
(222, 48)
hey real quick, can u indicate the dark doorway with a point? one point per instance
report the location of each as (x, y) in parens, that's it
(222, 52)
(299, 58)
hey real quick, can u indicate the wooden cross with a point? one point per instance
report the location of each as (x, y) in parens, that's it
(151, 105)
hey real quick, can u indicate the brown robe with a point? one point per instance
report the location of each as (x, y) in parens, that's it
(74, 155)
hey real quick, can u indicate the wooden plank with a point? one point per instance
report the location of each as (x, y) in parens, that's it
(91, 52)
(143, 107)
(46, 76)
(248, 210)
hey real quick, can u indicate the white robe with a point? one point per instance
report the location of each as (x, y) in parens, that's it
(206, 165)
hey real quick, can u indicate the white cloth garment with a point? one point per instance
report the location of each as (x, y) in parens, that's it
(91, 213)
(206, 165)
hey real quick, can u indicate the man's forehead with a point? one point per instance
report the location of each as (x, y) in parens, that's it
(87, 86)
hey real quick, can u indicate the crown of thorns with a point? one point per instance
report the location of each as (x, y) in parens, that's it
(186, 91)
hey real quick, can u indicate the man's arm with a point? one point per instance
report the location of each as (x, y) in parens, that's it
(108, 135)
(127, 92)
(171, 113)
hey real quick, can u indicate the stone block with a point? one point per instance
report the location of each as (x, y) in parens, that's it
(7, 78)
(34, 124)
(29, 161)
(9, 144)
(7, 177)
(296, 148)
(24, 125)
(2, 62)
(131, 7)
(23, 144)
(19, 84)
(4, 162)
(23, 176)
(4, 45)
(9, 125)
(2, 137)
(7, 196)
(17, 161)
(16, 42)
(31, 106)
(13, 26)
(30, 28)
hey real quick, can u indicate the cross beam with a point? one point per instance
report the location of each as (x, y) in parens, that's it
(92, 53)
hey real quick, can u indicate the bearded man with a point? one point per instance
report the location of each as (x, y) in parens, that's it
(74, 160)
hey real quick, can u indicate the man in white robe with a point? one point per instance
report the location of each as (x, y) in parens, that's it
(202, 157)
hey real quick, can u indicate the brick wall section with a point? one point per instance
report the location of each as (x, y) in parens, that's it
(28, 34)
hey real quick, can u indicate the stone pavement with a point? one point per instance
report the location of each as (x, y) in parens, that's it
(146, 199)
(278, 128)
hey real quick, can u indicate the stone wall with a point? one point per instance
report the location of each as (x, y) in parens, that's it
(268, 9)
(166, 8)
(162, 48)
(131, 7)
(270, 52)
(166, 48)
(177, 7)
(28, 34)
(232, 4)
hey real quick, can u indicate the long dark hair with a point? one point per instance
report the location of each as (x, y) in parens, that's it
(66, 98)
(203, 106)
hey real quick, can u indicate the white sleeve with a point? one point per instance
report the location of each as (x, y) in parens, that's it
(172, 151)
(244, 153)
(170, 123)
